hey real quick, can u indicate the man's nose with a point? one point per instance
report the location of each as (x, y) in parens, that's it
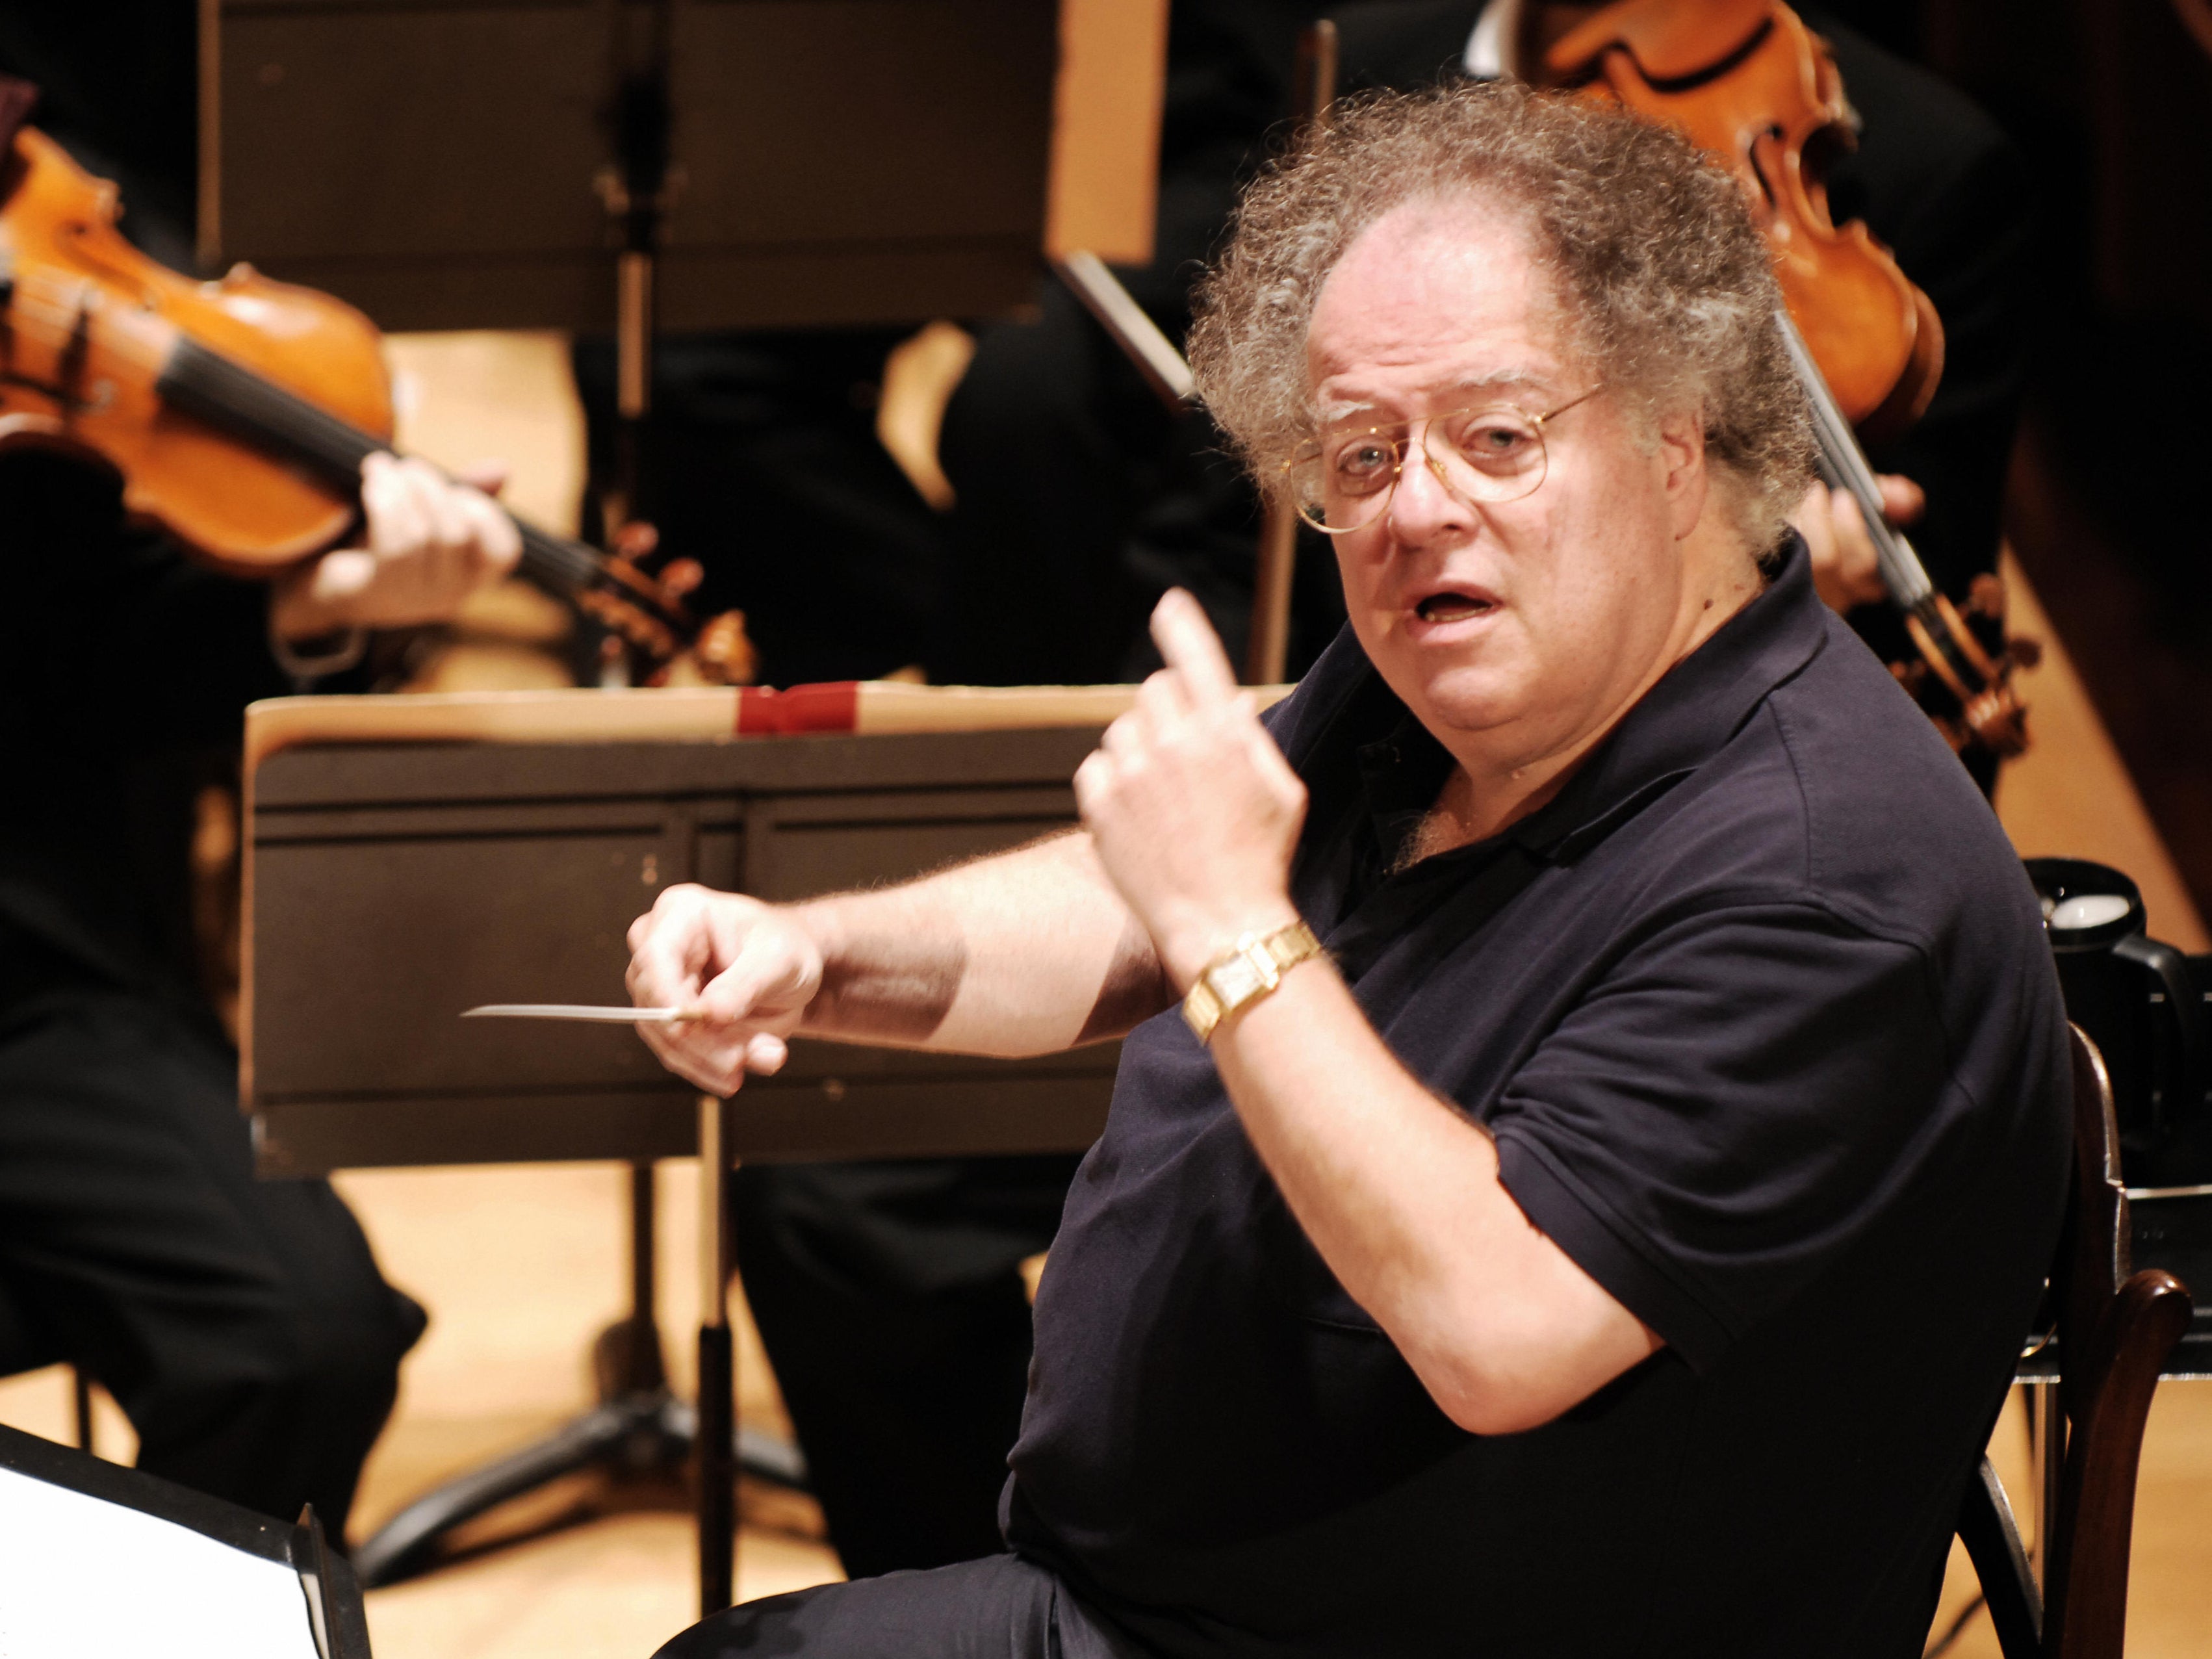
(1423, 507)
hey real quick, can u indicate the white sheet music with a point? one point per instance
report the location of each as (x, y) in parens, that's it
(83, 1579)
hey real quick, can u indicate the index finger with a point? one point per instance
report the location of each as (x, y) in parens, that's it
(666, 971)
(1902, 499)
(671, 949)
(1189, 645)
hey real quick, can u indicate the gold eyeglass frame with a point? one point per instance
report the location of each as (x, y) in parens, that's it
(1399, 446)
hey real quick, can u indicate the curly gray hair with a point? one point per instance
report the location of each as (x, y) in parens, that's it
(1666, 286)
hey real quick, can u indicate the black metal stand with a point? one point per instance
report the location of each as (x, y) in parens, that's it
(717, 1472)
(635, 189)
(635, 193)
(638, 1429)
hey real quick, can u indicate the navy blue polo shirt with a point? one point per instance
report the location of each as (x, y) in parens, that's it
(1759, 1010)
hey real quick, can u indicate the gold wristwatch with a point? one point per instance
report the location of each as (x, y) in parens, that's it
(1245, 974)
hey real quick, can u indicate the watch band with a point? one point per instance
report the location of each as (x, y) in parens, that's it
(1240, 976)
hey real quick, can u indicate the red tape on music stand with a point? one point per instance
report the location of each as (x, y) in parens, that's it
(765, 712)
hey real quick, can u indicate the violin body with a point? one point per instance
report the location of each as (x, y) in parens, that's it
(1748, 82)
(91, 323)
(239, 411)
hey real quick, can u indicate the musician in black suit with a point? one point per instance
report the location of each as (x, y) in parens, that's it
(242, 1324)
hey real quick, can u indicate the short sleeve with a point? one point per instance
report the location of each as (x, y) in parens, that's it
(1727, 1112)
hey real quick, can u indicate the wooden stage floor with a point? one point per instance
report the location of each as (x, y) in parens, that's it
(520, 1266)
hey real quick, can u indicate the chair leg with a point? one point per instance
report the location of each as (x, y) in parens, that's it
(2050, 1430)
(2009, 1590)
(81, 1397)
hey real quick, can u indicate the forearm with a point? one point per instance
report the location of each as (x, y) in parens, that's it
(1401, 1196)
(1026, 952)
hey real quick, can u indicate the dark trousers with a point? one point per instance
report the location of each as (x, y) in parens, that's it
(242, 1324)
(890, 1300)
(1000, 1607)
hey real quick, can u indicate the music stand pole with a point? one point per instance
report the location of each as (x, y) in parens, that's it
(635, 191)
(716, 1439)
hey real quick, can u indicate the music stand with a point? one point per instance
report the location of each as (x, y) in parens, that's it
(408, 857)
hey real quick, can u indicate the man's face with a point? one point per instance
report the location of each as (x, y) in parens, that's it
(1520, 630)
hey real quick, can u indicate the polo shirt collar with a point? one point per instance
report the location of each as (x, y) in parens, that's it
(1682, 721)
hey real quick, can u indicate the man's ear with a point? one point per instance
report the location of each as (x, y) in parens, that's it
(1682, 452)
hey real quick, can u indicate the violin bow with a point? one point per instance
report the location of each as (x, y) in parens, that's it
(1989, 711)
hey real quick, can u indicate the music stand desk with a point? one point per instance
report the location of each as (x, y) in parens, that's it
(409, 857)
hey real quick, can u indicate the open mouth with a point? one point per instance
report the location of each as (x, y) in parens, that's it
(1453, 607)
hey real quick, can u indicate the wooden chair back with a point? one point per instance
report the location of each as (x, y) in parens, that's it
(2116, 1328)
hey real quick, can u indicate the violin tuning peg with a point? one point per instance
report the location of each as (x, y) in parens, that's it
(1986, 596)
(723, 653)
(635, 540)
(682, 576)
(2024, 651)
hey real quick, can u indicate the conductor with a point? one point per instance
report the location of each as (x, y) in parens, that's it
(1601, 993)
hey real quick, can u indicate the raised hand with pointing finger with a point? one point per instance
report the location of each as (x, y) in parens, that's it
(1193, 809)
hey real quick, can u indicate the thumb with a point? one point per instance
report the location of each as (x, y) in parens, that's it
(343, 575)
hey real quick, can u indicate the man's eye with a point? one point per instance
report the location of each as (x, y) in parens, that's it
(1363, 466)
(1493, 441)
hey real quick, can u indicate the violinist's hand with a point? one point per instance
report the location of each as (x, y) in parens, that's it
(1846, 570)
(748, 970)
(427, 542)
(1194, 811)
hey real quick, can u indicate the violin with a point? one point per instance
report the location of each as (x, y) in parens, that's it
(1748, 83)
(239, 411)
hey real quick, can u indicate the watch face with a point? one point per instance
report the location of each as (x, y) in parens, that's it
(1234, 980)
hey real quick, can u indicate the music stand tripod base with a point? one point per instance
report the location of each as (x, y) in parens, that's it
(640, 1428)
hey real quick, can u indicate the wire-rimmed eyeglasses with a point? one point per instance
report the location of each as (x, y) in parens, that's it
(1490, 453)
